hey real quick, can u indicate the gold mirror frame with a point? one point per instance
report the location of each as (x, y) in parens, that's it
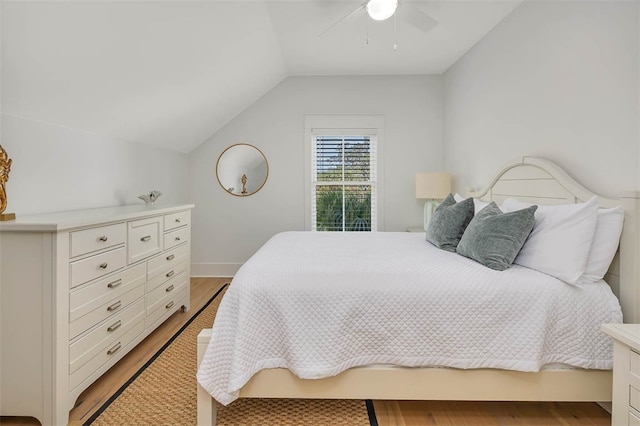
(250, 166)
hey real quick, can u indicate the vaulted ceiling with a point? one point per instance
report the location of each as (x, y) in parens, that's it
(172, 73)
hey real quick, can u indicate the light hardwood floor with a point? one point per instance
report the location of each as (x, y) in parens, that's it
(388, 413)
(458, 413)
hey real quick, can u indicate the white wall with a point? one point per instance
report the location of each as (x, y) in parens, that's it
(56, 168)
(557, 80)
(229, 229)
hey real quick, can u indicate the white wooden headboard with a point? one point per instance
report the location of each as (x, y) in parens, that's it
(539, 181)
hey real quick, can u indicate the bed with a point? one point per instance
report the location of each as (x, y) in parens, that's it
(371, 371)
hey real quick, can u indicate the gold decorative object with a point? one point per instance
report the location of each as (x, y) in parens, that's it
(244, 184)
(5, 168)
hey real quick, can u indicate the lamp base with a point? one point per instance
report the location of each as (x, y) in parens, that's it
(429, 208)
(4, 217)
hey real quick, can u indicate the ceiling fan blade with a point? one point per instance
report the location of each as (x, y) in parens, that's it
(349, 15)
(416, 17)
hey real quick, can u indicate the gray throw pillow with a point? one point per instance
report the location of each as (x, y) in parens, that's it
(494, 238)
(448, 223)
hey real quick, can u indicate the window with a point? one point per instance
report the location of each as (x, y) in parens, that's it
(343, 183)
(320, 128)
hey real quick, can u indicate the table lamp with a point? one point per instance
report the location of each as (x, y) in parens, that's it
(432, 187)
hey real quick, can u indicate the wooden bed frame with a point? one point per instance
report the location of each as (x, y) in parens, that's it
(531, 179)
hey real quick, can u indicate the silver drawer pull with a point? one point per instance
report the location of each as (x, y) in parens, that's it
(168, 289)
(177, 238)
(171, 257)
(169, 274)
(114, 349)
(169, 305)
(114, 306)
(115, 284)
(103, 238)
(115, 326)
(145, 239)
(177, 220)
(104, 265)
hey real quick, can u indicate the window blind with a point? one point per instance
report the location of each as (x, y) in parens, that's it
(344, 183)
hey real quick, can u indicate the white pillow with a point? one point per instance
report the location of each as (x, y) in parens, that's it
(604, 245)
(477, 204)
(560, 241)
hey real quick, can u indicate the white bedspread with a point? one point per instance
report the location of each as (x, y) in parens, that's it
(320, 303)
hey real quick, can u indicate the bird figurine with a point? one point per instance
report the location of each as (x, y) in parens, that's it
(151, 197)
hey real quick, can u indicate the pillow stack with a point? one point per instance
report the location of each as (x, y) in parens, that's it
(490, 237)
(572, 242)
(575, 243)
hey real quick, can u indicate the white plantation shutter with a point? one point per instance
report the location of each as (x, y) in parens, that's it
(343, 183)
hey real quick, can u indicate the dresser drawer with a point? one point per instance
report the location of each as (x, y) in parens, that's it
(634, 420)
(96, 266)
(166, 273)
(634, 397)
(95, 239)
(173, 285)
(87, 298)
(173, 238)
(106, 309)
(176, 220)
(168, 259)
(107, 350)
(87, 346)
(145, 238)
(166, 306)
(634, 364)
(101, 343)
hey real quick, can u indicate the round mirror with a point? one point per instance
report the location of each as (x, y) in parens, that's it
(242, 169)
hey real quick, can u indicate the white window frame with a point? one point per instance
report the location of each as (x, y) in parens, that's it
(344, 124)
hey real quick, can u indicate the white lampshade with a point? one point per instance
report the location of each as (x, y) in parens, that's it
(433, 186)
(381, 9)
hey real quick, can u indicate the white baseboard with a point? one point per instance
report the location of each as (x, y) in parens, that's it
(214, 269)
(607, 406)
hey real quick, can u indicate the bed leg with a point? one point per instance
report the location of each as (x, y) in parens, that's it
(207, 408)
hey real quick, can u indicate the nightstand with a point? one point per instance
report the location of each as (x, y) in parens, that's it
(626, 373)
(415, 229)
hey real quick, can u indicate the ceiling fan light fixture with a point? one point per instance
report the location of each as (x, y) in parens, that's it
(381, 9)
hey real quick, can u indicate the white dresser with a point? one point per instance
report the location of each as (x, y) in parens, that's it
(80, 289)
(626, 373)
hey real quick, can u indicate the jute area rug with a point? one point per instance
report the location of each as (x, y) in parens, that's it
(163, 392)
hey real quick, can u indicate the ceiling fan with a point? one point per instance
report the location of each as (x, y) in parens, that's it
(380, 10)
